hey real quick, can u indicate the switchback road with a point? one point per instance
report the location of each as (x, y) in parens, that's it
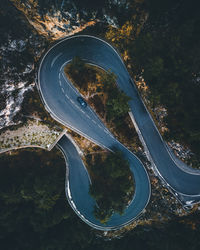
(59, 98)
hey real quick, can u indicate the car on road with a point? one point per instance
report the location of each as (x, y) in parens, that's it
(82, 102)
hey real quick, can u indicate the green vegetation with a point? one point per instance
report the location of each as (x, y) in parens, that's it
(78, 72)
(31, 192)
(34, 212)
(25, 179)
(83, 74)
(166, 54)
(111, 104)
(112, 184)
(117, 101)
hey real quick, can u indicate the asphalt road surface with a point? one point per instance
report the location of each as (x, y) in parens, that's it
(60, 99)
(78, 182)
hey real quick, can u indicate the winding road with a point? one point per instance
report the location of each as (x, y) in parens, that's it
(59, 98)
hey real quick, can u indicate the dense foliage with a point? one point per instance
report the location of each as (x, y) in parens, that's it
(34, 213)
(112, 184)
(100, 89)
(79, 73)
(167, 55)
(33, 180)
(117, 104)
(117, 101)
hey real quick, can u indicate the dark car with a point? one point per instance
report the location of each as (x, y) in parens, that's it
(82, 102)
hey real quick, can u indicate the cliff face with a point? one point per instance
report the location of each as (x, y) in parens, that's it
(55, 19)
(20, 46)
(52, 23)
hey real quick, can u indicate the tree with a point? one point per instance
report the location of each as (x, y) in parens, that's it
(32, 181)
(77, 65)
(117, 104)
(112, 185)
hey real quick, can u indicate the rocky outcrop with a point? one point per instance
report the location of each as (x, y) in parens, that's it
(53, 24)
(57, 19)
(20, 46)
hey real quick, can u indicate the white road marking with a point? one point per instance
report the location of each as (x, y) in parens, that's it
(94, 121)
(55, 59)
(88, 116)
(69, 84)
(62, 90)
(76, 106)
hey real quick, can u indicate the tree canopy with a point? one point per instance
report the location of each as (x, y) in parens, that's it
(28, 177)
(112, 184)
(166, 53)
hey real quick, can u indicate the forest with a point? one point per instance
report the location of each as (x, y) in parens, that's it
(91, 80)
(112, 184)
(35, 214)
(100, 90)
(165, 51)
(169, 53)
(166, 54)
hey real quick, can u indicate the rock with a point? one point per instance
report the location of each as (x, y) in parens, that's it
(18, 51)
(56, 20)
